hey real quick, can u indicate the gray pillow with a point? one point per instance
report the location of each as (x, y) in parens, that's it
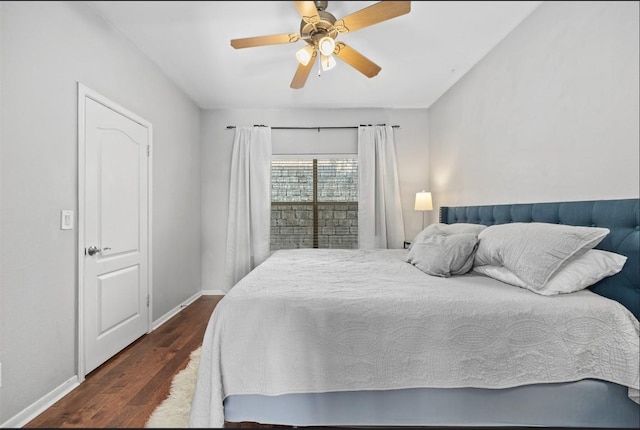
(441, 228)
(534, 252)
(444, 255)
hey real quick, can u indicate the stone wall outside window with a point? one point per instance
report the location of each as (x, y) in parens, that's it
(337, 220)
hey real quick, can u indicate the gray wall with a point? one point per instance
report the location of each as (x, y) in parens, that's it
(550, 114)
(47, 47)
(217, 142)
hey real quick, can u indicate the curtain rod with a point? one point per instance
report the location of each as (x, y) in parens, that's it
(313, 128)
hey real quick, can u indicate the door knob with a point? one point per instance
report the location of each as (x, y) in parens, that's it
(93, 250)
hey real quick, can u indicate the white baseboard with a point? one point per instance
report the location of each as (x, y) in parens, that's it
(212, 293)
(45, 402)
(166, 317)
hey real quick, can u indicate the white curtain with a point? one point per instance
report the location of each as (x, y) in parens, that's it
(380, 223)
(248, 225)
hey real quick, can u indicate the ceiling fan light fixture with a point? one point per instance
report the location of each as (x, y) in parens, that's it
(326, 45)
(319, 29)
(304, 55)
(328, 62)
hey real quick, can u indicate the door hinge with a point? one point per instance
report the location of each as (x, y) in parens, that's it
(148, 300)
(148, 150)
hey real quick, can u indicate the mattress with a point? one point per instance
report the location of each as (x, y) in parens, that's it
(319, 321)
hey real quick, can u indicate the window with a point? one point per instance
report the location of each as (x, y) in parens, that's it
(314, 203)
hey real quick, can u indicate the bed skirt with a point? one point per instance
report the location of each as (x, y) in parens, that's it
(586, 403)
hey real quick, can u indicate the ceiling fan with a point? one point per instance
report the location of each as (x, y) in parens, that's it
(319, 30)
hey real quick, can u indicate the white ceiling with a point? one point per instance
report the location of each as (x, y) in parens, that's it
(422, 54)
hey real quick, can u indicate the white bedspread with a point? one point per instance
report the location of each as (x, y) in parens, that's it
(344, 320)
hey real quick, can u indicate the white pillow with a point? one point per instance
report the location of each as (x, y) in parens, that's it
(444, 255)
(577, 275)
(447, 229)
(535, 251)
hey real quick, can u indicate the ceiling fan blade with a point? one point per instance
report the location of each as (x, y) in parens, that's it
(273, 39)
(356, 60)
(373, 14)
(302, 73)
(308, 11)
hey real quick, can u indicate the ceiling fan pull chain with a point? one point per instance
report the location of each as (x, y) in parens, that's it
(320, 67)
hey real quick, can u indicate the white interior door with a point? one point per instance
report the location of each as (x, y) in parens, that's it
(115, 282)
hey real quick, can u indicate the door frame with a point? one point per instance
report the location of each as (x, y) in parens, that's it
(86, 93)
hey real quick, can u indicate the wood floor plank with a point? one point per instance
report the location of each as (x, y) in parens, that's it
(125, 390)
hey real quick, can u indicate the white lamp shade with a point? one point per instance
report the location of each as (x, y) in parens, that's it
(423, 201)
(328, 62)
(304, 55)
(326, 45)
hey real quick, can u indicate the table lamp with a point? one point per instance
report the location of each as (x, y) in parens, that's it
(423, 203)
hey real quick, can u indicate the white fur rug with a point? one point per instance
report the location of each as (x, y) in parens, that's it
(173, 412)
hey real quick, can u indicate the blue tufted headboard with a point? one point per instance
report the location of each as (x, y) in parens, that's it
(621, 217)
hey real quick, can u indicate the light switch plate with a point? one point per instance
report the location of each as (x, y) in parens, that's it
(66, 220)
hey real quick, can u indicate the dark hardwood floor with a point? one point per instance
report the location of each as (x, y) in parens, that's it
(126, 389)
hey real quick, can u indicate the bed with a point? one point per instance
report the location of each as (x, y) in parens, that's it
(364, 338)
